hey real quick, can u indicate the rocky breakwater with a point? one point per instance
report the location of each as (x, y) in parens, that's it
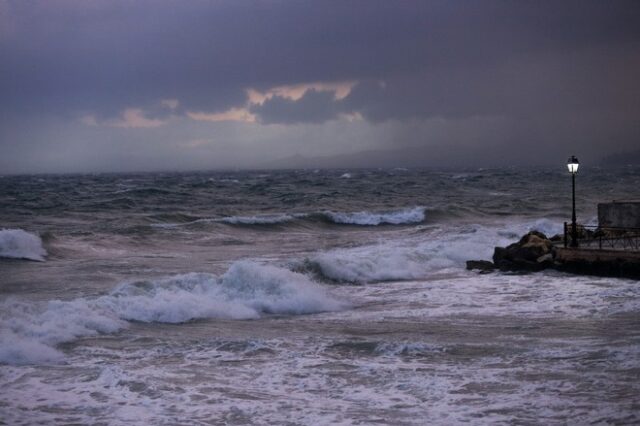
(534, 252)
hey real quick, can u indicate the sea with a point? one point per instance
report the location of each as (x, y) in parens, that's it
(308, 297)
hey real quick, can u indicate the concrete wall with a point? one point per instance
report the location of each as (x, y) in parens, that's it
(593, 255)
(624, 214)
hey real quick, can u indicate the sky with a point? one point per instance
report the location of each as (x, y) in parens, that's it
(102, 86)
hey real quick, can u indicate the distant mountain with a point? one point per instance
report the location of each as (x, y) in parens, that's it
(438, 157)
(409, 157)
(623, 158)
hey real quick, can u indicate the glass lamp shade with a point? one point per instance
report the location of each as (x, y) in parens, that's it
(573, 164)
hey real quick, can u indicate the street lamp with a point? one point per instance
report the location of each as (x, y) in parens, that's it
(572, 165)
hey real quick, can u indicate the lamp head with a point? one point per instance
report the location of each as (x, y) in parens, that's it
(572, 165)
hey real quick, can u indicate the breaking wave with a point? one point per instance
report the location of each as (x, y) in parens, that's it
(29, 333)
(19, 244)
(407, 216)
(365, 218)
(547, 227)
(267, 219)
(261, 219)
(362, 218)
(413, 258)
(246, 291)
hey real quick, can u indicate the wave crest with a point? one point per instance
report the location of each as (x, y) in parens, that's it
(19, 244)
(29, 333)
(261, 219)
(406, 216)
(365, 218)
(408, 259)
(245, 291)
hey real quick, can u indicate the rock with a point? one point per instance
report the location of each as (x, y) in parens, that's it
(533, 245)
(530, 234)
(545, 258)
(499, 254)
(484, 266)
(533, 252)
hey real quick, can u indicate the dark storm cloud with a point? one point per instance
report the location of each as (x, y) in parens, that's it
(597, 79)
(314, 107)
(547, 68)
(109, 55)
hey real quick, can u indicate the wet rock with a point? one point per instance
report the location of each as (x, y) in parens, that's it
(484, 266)
(546, 260)
(533, 252)
(557, 238)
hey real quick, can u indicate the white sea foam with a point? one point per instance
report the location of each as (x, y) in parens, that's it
(18, 350)
(261, 219)
(548, 227)
(396, 217)
(247, 290)
(29, 332)
(267, 219)
(111, 387)
(369, 264)
(407, 348)
(417, 257)
(543, 295)
(364, 218)
(19, 244)
(173, 300)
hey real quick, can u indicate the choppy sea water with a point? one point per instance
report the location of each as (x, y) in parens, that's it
(306, 297)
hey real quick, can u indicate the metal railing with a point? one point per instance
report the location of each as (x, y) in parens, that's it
(604, 237)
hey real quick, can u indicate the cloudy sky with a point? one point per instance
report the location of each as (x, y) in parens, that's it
(173, 85)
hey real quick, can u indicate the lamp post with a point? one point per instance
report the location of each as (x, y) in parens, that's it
(572, 165)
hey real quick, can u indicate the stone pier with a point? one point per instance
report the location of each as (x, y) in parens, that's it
(613, 263)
